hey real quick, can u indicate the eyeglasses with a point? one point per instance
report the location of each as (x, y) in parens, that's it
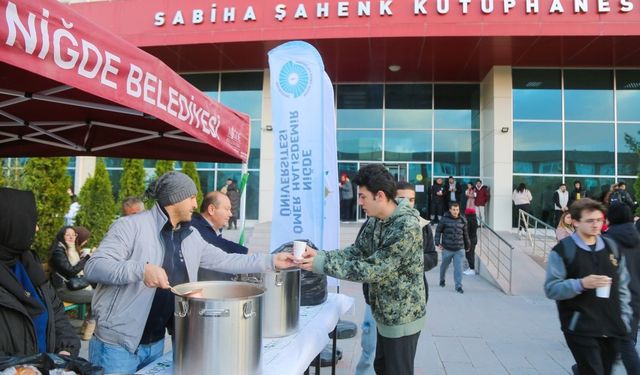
(593, 221)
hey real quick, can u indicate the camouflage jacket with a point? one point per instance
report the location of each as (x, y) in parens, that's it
(388, 255)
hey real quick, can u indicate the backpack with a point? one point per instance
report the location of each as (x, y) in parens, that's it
(617, 197)
(570, 249)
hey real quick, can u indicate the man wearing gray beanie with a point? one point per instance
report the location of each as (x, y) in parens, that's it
(140, 257)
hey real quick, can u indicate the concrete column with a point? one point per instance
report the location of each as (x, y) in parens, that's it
(267, 181)
(85, 168)
(496, 144)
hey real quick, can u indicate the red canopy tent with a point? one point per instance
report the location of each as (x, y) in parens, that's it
(71, 88)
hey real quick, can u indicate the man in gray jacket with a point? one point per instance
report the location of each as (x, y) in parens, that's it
(592, 323)
(135, 264)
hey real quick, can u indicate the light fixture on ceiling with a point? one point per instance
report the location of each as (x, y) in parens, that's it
(394, 68)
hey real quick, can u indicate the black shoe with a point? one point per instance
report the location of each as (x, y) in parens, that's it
(459, 290)
(442, 283)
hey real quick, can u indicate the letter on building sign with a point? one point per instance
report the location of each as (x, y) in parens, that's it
(301, 12)
(343, 9)
(178, 19)
(418, 7)
(322, 10)
(197, 16)
(465, 6)
(30, 38)
(385, 7)
(281, 12)
(364, 8)
(603, 6)
(556, 7)
(249, 14)
(159, 19)
(581, 6)
(508, 5)
(442, 6)
(626, 6)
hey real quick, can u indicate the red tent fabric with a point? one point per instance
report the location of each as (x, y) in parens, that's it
(71, 88)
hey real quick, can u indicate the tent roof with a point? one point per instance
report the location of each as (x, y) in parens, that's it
(129, 106)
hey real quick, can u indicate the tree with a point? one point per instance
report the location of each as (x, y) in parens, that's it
(96, 204)
(49, 180)
(163, 166)
(132, 180)
(189, 168)
(2, 171)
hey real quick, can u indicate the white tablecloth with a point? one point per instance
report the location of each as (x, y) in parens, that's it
(291, 354)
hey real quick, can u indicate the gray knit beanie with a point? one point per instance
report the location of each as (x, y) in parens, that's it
(172, 187)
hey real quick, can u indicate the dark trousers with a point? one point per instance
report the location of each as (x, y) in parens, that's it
(471, 256)
(345, 209)
(526, 208)
(629, 353)
(233, 221)
(594, 355)
(395, 356)
(556, 217)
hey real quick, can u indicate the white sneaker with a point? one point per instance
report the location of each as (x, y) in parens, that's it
(469, 272)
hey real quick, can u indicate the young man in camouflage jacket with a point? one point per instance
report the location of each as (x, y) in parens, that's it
(387, 255)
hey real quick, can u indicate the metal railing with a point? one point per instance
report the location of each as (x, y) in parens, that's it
(540, 235)
(496, 256)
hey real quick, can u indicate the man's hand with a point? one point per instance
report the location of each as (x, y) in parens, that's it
(284, 260)
(595, 281)
(307, 262)
(439, 247)
(64, 352)
(155, 277)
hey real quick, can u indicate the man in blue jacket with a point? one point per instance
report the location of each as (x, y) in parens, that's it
(140, 257)
(215, 212)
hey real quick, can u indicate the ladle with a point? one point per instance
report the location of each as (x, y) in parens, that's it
(187, 293)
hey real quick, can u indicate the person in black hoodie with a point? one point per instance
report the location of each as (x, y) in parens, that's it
(623, 232)
(32, 318)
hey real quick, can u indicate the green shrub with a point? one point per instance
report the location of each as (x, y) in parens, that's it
(49, 180)
(132, 180)
(96, 204)
(189, 168)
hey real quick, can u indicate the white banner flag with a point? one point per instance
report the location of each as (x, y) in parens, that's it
(298, 131)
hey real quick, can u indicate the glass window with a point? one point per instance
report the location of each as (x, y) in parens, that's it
(359, 106)
(588, 95)
(113, 162)
(407, 145)
(207, 181)
(628, 94)
(359, 145)
(408, 119)
(205, 82)
(457, 106)
(533, 153)
(542, 189)
(457, 153)
(407, 96)
(589, 149)
(253, 196)
(628, 147)
(536, 94)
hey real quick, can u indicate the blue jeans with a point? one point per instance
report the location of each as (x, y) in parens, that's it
(368, 344)
(117, 359)
(457, 257)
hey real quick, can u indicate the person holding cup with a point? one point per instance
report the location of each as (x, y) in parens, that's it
(580, 270)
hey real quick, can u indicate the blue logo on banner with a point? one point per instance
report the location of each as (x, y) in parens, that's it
(294, 79)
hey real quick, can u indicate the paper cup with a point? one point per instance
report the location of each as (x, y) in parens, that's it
(603, 291)
(298, 249)
(86, 251)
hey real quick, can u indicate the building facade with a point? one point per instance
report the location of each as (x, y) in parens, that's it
(509, 91)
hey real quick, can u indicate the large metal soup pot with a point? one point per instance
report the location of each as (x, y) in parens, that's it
(219, 332)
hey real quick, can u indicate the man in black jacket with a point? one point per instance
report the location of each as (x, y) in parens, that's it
(32, 318)
(452, 238)
(622, 231)
(215, 212)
